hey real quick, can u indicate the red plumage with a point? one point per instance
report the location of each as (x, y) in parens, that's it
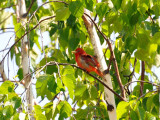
(87, 62)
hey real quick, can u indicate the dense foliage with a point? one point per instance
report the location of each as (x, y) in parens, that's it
(72, 93)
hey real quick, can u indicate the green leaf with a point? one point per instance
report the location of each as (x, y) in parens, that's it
(19, 30)
(54, 28)
(7, 87)
(143, 40)
(134, 115)
(8, 111)
(152, 48)
(147, 87)
(68, 79)
(117, 3)
(51, 69)
(142, 54)
(105, 28)
(101, 9)
(48, 113)
(94, 93)
(136, 90)
(137, 67)
(141, 113)
(76, 8)
(157, 60)
(62, 14)
(52, 85)
(122, 109)
(81, 114)
(149, 103)
(89, 4)
(15, 117)
(2, 97)
(131, 43)
(15, 102)
(34, 39)
(149, 116)
(41, 85)
(79, 90)
(73, 43)
(20, 73)
(60, 87)
(63, 39)
(57, 5)
(40, 117)
(155, 100)
(142, 8)
(156, 9)
(58, 56)
(156, 38)
(48, 105)
(81, 35)
(37, 109)
(65, 110)
(18, 59)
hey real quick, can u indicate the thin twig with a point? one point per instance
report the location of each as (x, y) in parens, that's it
(4, 49)
(141, 82)
(6, 18)
(6, 28)
(6, 32)
(155, 90)
(43, 5)
(130, 76)
(41, 39)
(150, 16)
(60, 79)
(24, 35)
(29, 22)
(25, 15)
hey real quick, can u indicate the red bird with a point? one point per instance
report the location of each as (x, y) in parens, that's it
(87, 62)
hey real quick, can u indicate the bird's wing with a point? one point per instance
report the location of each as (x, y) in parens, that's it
(90, 60)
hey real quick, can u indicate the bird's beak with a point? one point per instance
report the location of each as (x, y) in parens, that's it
(73, 52)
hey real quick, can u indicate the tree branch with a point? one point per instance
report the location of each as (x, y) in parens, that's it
(113, 58)
(55, 63)
(73, 65)
(141, 82)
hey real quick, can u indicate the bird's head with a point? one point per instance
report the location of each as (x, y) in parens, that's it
(79, 51)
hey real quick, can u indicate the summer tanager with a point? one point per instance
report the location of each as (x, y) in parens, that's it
(87, 62)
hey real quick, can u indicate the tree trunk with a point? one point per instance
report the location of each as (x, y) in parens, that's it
(3, 75)
(26, 61)
(109, 96)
